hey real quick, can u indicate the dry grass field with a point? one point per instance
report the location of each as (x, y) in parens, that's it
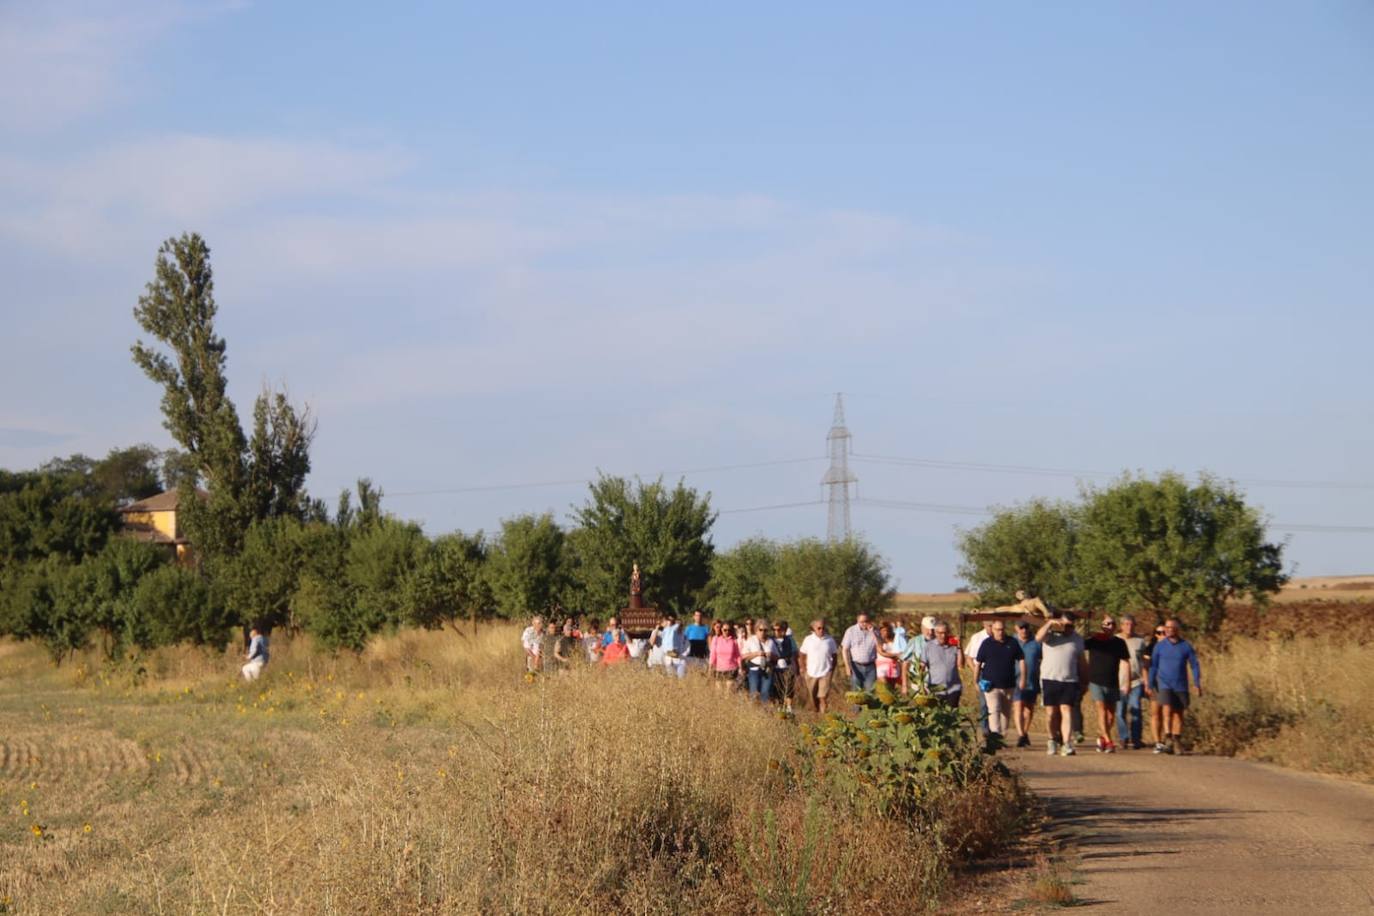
(426, 776)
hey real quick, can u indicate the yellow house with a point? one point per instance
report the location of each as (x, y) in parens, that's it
(155, 520)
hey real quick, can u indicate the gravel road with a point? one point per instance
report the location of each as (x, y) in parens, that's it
(1196, 834)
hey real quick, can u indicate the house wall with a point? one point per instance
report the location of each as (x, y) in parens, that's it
(165, 522)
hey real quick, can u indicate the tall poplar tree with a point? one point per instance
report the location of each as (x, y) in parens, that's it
(245, 480)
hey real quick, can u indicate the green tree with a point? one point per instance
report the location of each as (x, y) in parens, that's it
(45, 514)
(279, 457)
(257, 585)
(178, 309)
(1029, 547)
(100, 591)
(449, 583)
(1162, 546)
(837, 581)
(245, 480)
(739, 580)
(371, 595)
(31, 609)
(526, 567)
(176, 604)
(127, 475)
(666, 531)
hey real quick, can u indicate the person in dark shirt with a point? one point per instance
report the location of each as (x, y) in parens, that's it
(1023, 700)
(1109, 671)
(1001, 669)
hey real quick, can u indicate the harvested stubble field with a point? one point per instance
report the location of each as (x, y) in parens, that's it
(426, 776)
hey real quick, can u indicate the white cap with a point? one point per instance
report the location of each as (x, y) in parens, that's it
(927, 623)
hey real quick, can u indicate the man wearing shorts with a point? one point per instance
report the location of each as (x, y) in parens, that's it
(1173, 657)
(818, 652)
(1063, 667)
(1023, 700)
(1109, 670)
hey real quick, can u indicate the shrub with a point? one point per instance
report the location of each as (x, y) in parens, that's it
(898, 754)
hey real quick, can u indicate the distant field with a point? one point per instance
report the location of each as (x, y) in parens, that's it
(1305, 589)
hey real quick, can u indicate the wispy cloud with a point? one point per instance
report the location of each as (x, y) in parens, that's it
(61, 60)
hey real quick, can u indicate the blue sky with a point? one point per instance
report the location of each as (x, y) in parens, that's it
(514, 245)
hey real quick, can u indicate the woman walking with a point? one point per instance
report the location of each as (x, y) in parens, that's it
(889, 660)
(724, 658)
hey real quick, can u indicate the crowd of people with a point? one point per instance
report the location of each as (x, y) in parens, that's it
(1052, 665)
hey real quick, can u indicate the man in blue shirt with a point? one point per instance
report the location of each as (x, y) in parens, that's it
(1023, 699)
(1170, 662)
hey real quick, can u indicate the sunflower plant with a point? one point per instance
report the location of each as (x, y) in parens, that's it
(897, 751)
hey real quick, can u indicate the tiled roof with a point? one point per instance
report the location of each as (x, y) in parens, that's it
(166, 501)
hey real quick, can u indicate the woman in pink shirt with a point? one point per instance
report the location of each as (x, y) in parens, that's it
(724, 652)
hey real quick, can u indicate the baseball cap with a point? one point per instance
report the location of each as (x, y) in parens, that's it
(927, 623)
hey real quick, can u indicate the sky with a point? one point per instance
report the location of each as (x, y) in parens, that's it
(499, 248)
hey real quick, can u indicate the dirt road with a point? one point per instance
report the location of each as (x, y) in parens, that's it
(1195, 834)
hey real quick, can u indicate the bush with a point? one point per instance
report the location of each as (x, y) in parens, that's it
(898, 755)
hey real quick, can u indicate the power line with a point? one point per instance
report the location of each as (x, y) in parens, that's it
(585, 480)
(809, 502)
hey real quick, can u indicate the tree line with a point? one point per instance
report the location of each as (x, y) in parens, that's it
(67, 579)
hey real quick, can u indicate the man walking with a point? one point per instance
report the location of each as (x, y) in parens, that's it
(1063, 667)
(818, 651)
(1128, 707)
(1023, 700)
(860, 650)
(1109, 672)
(1000, 667)
(1172, 659)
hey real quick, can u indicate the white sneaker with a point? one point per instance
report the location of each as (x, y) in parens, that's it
(1053, 749)
(1068, 751)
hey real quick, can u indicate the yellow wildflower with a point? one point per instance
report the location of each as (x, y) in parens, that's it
(86, 828)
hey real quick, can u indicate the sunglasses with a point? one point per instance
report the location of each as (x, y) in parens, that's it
(1159, 632)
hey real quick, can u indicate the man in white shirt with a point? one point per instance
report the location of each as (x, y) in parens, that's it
(530, 640)
(818, 652)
